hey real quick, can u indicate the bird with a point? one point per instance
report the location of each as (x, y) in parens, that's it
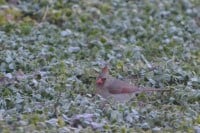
(118, 90)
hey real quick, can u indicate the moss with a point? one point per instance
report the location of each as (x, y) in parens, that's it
(2, 2)
(105, 8)
(103, 40)
(55, 16)
(197, 119)
(68, 12)
(25, 28)
(61, 122)
(120, 65)
(85, 17)
(34, 119)
(2, 19)
(6, 92)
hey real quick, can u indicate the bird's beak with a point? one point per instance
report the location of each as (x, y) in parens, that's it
(99, 81)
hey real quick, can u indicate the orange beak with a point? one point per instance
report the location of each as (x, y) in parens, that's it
(99, 81)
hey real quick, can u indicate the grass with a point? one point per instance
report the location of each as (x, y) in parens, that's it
(51, 53)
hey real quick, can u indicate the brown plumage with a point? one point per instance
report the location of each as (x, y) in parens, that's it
(118, 90)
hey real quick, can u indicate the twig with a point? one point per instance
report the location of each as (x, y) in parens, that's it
(45, 13)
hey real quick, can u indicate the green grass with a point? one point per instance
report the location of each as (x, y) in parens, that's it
(47, 79)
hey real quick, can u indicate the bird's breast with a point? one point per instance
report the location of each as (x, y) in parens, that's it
(121, 98)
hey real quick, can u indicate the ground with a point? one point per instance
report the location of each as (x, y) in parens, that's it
(52, 51)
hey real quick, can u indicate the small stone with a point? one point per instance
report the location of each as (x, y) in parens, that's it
(66, 32)
(156, 130)
(35, 82)
(135, 114)
(9, 75)
(52, 122)
(197, 129)
(41, 125)
(116, 115)
(178, 39)
(74, 49)
(11, 66)
(64, 130)
(23, 123)
(165, 14)
(2, 114)
(9, 59)
(129, 119)
(166, 41)
(172, 30)
(95, 125)
(132, 39)
(145, 126)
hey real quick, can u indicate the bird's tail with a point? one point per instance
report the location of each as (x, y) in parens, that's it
(152, 89)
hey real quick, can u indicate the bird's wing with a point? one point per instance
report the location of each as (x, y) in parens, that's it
(121, 88)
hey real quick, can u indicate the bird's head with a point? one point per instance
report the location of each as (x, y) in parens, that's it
(101, 79)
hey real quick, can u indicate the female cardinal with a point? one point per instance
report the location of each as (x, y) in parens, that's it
(118, 90)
